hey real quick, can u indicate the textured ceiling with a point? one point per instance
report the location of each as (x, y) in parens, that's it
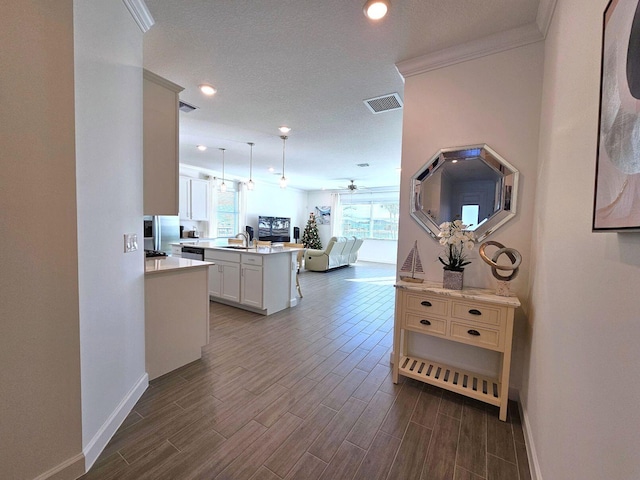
(308, 65)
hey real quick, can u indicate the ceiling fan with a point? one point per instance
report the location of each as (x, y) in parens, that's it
(352, 187)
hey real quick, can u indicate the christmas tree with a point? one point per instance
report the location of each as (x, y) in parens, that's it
(310, 237)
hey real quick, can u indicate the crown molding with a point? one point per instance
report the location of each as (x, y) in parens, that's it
(498, 42)
(545, 14)
(155, 78)
(140, 13)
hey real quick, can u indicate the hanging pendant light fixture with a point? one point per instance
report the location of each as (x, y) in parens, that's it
(250, 184)
(283, 180)
(223, 186)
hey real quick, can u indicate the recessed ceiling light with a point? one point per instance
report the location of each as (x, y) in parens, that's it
(207, 89)
(376, 9)
(284, 129)
(202, 148)
(271, 169)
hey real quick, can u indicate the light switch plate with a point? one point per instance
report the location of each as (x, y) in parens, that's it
(130, 242)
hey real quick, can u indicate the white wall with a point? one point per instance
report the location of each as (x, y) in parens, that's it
(40, 419)
(581, 390)
(271, 200)
(108, 76)
(493, 100)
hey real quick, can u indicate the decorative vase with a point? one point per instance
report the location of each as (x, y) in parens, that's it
(452, 279)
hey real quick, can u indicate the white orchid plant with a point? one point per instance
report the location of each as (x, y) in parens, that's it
(456, 240)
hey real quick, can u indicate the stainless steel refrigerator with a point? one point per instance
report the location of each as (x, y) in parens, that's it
(160, 231)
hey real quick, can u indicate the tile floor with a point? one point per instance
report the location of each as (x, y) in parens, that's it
(306, 394)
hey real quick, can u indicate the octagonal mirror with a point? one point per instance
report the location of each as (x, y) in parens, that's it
(473, 184)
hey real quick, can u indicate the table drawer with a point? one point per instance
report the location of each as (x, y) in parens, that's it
(477, 313)
(426, 305)
(477, 335)
(426, 324)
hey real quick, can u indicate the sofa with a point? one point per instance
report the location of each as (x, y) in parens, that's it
(339, 252)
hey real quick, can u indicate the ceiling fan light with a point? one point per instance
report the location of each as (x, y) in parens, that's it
(376, 9)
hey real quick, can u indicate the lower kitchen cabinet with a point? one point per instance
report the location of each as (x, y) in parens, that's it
(224, 280)
(251, 286)
(260, 282)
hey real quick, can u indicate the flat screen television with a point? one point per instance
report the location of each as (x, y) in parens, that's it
(274, 229)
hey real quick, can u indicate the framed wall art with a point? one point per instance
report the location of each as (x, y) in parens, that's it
(617, 186)
(323, 215)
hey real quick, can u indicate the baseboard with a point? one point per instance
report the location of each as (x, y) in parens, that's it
(534, 466)
(71, 468)
(101, 438)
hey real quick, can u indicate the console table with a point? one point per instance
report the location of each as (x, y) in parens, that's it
(472, 316)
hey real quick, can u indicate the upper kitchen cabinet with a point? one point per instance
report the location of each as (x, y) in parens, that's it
(160, 117)
(194, 199)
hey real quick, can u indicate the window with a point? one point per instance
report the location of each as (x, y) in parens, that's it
(226, 212)
(470, 215)
(370, 216)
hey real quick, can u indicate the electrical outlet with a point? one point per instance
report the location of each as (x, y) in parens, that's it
(130, 242)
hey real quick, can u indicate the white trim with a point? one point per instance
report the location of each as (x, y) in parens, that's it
(499, 42)
(99, 441)
(545, 14)
(67, 464)
(140, 13)
(534, 465)
(155, 78)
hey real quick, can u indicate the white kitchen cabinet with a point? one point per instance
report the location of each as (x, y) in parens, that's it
(194, 199)
(176, 250)
(259, 280)
(251, 286)
(160, 145)
(176, 313)
(224, 280)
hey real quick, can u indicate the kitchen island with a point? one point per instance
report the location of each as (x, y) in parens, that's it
(258, 279)
(176, 301)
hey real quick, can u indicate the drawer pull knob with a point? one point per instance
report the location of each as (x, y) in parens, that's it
(426, 303)
(473, 311)
(425, 322)
(475, 333)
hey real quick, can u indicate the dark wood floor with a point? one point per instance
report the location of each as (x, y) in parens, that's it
(307, 394)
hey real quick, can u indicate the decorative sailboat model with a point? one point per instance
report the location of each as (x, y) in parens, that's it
(412, 265)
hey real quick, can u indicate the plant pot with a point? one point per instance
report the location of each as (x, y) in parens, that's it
(452, 280)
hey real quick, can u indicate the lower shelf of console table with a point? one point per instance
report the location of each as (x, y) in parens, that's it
(451, 378)
(475, 317)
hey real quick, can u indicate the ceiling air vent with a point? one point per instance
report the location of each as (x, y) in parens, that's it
(186, 107)
(385, 103)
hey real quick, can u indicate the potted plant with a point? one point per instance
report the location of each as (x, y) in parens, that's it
(456, 241)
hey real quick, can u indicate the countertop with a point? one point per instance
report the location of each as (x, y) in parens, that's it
(255, 250)
(165, 264)
(481, 294)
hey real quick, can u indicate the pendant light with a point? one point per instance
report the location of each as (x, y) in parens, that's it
(283, 180)
(223, 186)
(250, 184)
